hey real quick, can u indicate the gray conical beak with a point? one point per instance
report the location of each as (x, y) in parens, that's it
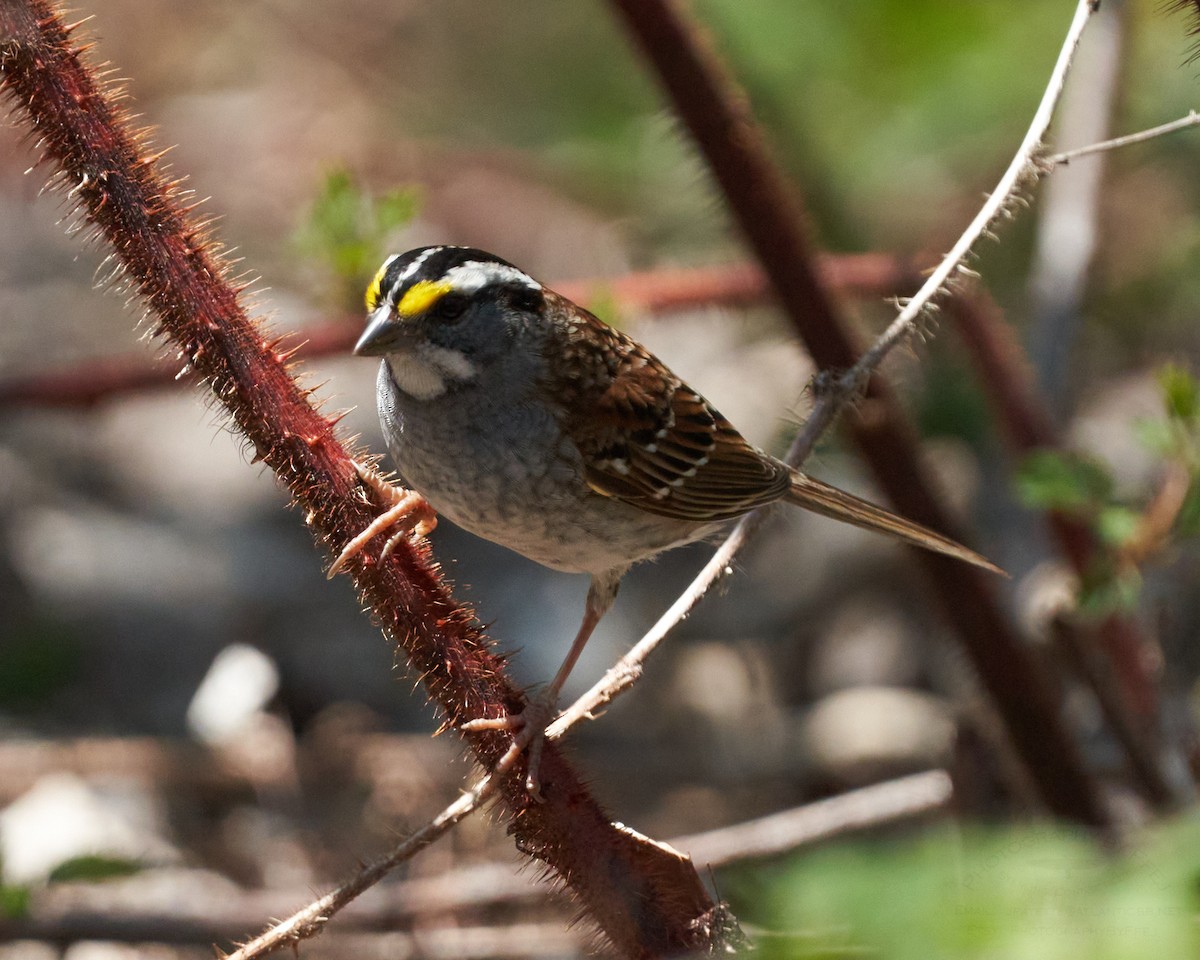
(381, 335)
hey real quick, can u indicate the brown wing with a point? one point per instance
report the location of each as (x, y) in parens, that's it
(645, 436)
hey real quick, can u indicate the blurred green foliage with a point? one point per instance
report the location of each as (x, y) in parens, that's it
(1084, 488)
(880, 110)
(38, 658)
(876, 107)
(951, 403)
(893, 117)
(1070, 482)
(1180, 393)
(92, 868)
(605, 305)
(346, 230)
(1026, 893)
(14, 901)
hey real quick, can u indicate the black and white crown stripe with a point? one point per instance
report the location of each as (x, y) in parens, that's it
(473, 275)
(466, 269)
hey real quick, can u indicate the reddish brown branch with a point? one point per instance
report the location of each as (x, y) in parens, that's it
(648, 901)
(772, 218)
(1008, 381)
(655, 291)
(1079, 645)
(742, 284)
(95, 381)
(1130, 698)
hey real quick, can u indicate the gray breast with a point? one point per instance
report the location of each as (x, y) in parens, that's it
(508, 474)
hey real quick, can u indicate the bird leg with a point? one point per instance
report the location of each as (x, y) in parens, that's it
(405, 508)
(530, 724)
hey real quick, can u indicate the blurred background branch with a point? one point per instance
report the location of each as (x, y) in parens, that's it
(771, 216)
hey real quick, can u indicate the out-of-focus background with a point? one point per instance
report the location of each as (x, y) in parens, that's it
(182, 688)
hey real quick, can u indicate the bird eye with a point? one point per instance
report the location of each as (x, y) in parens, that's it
(526, 298)
(451, 306)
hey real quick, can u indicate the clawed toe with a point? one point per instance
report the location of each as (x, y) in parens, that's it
(529, 737)
(407, 509)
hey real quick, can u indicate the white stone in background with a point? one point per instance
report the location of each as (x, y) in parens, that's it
(714, 681)
(857, 735)
(867, 642)
(239, 684)
(83, 554)
(184, 891)
(731, 708)
(63, 817)
(28, 950)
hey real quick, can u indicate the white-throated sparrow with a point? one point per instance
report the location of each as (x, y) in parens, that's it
(530, 422)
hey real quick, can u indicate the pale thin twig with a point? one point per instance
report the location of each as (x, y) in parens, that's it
(839, 390)
(874, 806)
(1022, 167)
(311, 920)
(492, 883)
(1060, 159)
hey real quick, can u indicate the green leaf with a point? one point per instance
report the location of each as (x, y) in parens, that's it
(93, 867)
(396, 208)
(1052, 480)
(1117, 525)
(1187, 524)
(1158, 436)
(1107, 592)
(603, 303)
(346, 231)
(14, 902)
(952, 404)
(1028, 893)
(38, 658)
(1181, 394)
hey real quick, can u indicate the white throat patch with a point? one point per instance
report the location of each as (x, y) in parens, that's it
(423, 372)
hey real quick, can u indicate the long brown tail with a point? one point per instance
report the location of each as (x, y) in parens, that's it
(831, 502)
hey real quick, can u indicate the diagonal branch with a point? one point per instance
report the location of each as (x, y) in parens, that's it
(772, 218)
(312, 919)
(647, 899)
(1131, 707)
(1021, 169)
(1128, 140)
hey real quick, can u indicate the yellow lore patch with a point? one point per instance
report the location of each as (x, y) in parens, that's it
(375, 288)
(421, 296)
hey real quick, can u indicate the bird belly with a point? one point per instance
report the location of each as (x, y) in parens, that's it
(516, 480)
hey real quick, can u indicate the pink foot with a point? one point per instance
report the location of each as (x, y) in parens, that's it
(529, 728)
(406, 509)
